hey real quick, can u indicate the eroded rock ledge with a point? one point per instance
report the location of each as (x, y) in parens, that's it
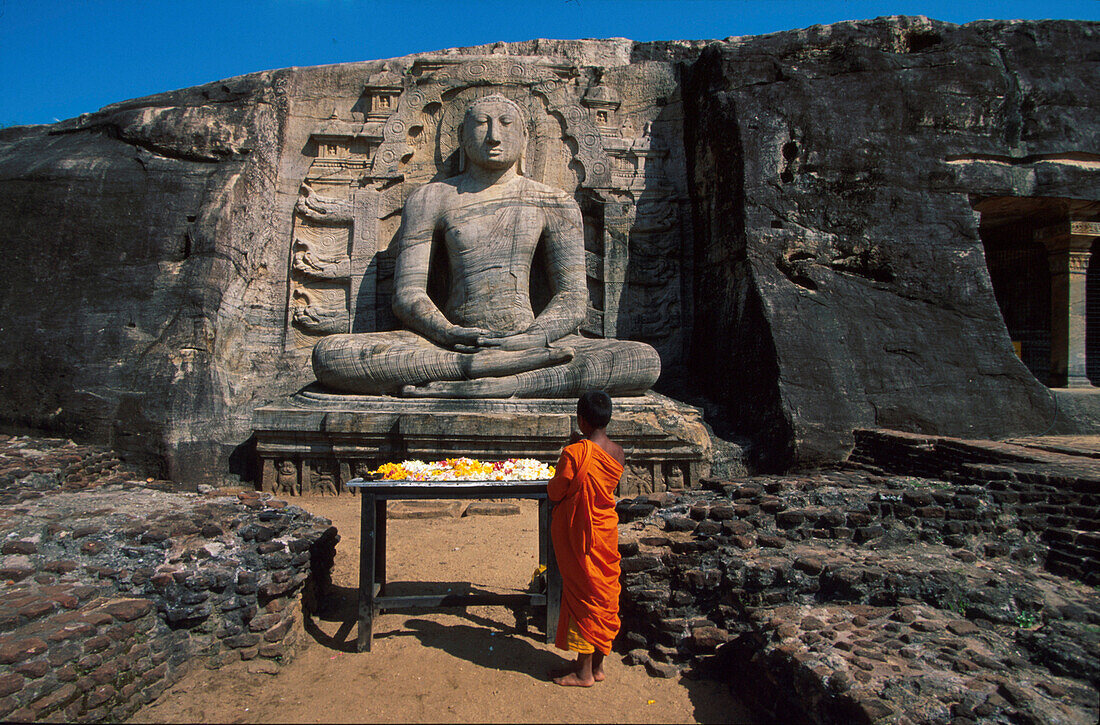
(110, 589)
(871, 594)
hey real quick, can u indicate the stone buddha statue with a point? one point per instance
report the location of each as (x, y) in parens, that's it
(485, 341)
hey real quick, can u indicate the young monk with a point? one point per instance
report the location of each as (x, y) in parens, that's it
(585, 533)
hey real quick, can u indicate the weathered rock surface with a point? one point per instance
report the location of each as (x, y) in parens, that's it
(826, 275)
(839, 266)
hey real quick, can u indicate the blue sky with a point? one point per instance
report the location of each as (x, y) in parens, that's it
(60, 58)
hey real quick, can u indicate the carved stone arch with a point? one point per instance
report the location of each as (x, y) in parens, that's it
(547, 158)
(452, 83)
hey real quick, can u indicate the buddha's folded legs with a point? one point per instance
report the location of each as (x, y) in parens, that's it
(382, 363)
(619, 367)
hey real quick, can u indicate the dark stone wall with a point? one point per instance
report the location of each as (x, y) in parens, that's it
(839, 194)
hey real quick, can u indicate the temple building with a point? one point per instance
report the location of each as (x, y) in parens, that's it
(1038, 251)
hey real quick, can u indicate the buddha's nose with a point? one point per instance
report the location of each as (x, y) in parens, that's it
(491, 134)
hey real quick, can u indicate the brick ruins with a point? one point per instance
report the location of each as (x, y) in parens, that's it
(929, 579)
(111, 586)
(919, 583)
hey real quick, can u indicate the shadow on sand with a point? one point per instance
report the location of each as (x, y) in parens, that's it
(490, 643)
(485, 642)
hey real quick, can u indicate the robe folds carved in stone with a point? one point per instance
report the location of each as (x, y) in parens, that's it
(585, 534)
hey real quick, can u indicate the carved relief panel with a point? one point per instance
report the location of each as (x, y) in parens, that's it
(403, 132)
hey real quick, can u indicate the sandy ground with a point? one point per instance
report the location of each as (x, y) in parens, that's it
(434, 665)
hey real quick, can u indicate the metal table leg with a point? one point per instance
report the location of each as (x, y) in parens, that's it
(380, 545)
(553, 576)
(367, 549)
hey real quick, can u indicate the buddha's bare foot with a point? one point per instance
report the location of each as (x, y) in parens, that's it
(482, 388)
(492, 363)
(574, 679)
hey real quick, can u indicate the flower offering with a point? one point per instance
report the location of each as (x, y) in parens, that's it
(465, 469)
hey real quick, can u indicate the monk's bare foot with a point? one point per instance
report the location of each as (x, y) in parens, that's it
(573, 679)
(498, 363)
(483, 388)
(568, 669)
(597, 666)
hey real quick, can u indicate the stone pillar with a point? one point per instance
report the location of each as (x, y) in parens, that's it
(1068, 247)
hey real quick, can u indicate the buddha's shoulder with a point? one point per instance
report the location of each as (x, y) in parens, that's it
(432, 191)
(546, 194)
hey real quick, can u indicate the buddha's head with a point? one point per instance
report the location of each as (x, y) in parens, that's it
(494, 133)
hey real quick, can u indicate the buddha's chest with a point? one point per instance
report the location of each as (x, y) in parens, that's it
(501, 230)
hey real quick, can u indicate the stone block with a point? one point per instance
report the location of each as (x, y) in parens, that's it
(679, 523)
(771, 541)
(60, 697)
(491, 508)
(631, 564)
(10, 683)
(423, 509)
(277, 632)
(129, 610)
(33, 669)
(242, 640)
(17, 649)
(667, 444)
(263, 667)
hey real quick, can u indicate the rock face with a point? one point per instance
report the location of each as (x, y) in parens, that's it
(838, 265)
(785, 219)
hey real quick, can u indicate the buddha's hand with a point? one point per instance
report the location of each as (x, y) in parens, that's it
(519, 341)
(466, 339)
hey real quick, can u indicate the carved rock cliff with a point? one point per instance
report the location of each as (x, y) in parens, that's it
(785, 218)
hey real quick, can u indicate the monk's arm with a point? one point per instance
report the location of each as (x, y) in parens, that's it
(411, 303)
(564, 244)
(564, 473)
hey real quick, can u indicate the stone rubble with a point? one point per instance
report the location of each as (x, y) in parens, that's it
(851, 596)
(110, 588)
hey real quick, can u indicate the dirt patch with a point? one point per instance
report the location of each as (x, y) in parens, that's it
(433, 665)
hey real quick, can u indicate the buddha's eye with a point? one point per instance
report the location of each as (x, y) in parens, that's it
(506, 120)
(482, 119)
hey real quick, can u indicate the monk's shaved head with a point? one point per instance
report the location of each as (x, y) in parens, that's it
(595, 408)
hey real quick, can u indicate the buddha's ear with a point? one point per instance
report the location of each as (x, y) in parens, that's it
(461, 159)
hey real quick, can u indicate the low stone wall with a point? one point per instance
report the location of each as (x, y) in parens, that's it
(112, 588)
(1052, 493)
(854, 596)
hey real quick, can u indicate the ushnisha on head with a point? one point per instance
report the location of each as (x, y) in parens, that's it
(593, 410)
(494, 133)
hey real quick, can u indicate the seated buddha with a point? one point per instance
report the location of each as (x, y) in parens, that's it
(485, 340)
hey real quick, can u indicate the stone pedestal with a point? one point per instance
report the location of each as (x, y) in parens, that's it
(315, 441)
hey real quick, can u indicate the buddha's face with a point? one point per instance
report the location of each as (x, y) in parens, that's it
(493, 135)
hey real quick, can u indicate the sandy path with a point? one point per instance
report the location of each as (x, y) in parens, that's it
(434, 665)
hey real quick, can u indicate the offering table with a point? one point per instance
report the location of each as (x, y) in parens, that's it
(372, 550)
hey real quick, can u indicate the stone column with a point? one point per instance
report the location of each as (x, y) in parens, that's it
(1068, 247)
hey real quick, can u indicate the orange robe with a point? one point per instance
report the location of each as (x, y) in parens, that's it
(585, 533)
